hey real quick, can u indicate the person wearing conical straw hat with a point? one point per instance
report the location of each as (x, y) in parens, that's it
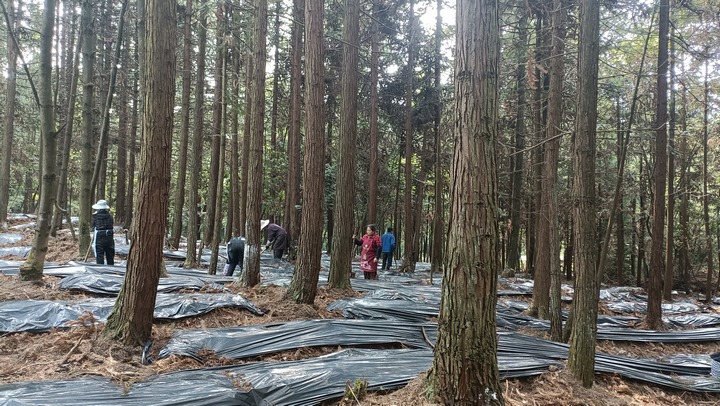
(277, 238)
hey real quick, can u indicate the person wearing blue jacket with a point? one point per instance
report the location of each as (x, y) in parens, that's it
(388, 248)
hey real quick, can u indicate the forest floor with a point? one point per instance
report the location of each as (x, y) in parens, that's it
(84, 351)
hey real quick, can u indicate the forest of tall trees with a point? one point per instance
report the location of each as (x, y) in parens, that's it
(595, 143)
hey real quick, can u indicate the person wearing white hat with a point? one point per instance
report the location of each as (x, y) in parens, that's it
(277, 238)
(104, 245)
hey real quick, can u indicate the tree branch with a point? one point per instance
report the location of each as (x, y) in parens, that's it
(11, 31)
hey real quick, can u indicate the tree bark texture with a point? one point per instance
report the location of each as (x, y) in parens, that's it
(62, 208)
(220, 188)
(245, 149)
(132, 316)
(215, 158)
(193, 232)
(581, 359)
(657, 249)
(32, 269)
(408, 263)
(345, 179)
(670, 244)
(251, 273)
(303, 287)
(552, 158)
(373, 101)
(88, 104)
(706, 208)
(465, 369)
(9, 130)
(123, 135)
(292, 193)
(439, 211)
(179, 197)
(237, 228)
(517, 159)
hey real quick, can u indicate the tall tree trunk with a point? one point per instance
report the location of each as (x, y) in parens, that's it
(331, 108)
(219, 192)
(569, 251)
(642, 220)
(439, 212)
(408, 263)
(518, 157)
(654, 313)
(88, 51)
(245, 158)
(633, 237)
(222, 58)
(548, 248)
(465, 370)
(706, 210)
(581, 357)
(276, 76)
(619, 216)
(345, 178)
(540, 83)
(102, 82)
(303, 287)
(217, 125)
(64, 69)
(123, 136)
(32, 268)
(235, 227)
(251, 273)
(9, 130)
(292, 193)
(132, 316)
(419, 185)
(670, 244)
(62, 208)
(142, 81)
(373, 102)
(179, 199)
(552, 153)
(684, 259)
(193, 230)
(132, 145)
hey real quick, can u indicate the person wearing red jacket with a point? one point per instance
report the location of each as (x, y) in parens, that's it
(371, 250)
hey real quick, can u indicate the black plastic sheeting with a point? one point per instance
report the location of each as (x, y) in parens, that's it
(641, 307)
(609, 327)
(250, 341)
(110, 284)
(516, 352)
(204, 388)
(123, 250)
(694, 377)
(305, 382)
(11, 238)
(16, 251)
(37, 316)
(380, 309)
(650, 336)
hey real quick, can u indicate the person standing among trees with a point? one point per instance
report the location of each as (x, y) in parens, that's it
(236, 255)
(277, 238)
(102, 221)
(388, 248)
(371, 249)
